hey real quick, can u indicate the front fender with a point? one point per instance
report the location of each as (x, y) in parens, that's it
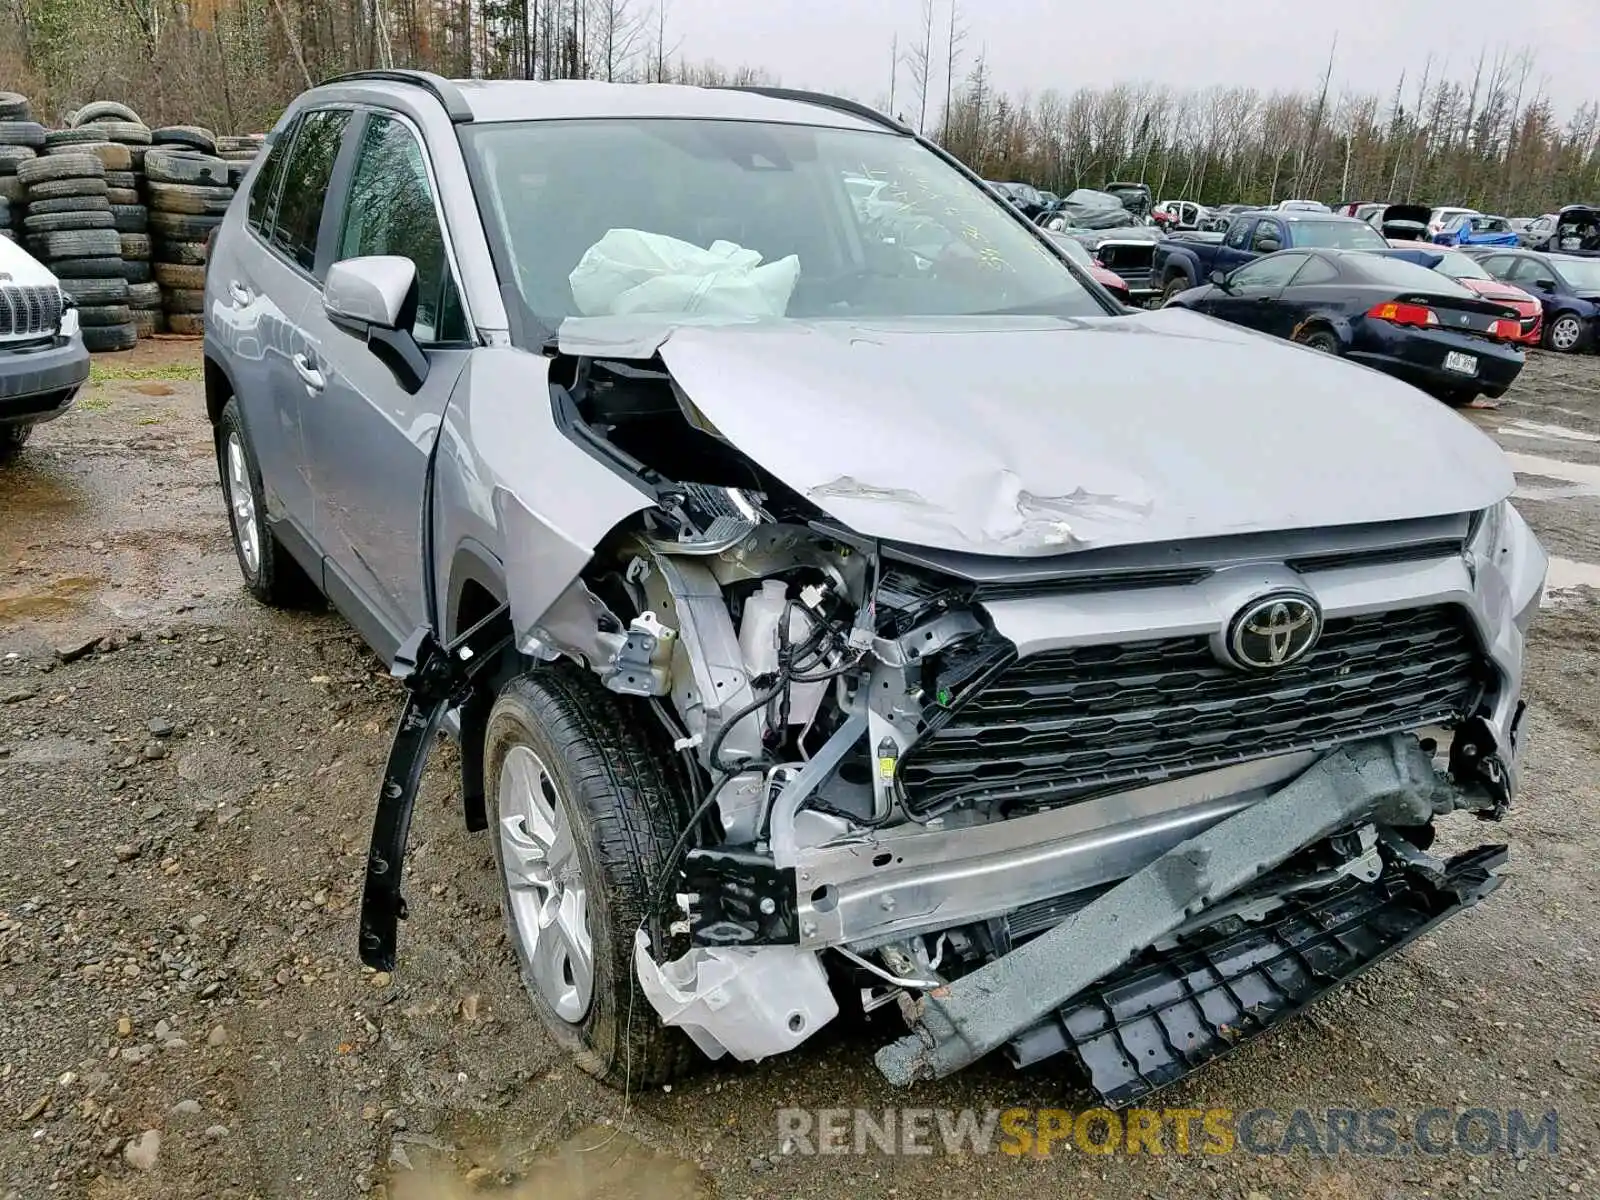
(509, 482)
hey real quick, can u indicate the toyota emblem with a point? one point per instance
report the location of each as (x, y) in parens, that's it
(1274, 631)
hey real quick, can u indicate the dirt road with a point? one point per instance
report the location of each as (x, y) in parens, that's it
(185, 792)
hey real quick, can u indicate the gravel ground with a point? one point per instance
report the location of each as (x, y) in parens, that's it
(185, 795)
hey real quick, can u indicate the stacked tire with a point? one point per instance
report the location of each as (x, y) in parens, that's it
(20, 141)
(70, 228)
(119, 125)
(188, 189)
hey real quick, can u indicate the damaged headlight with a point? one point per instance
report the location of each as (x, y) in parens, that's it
(1507, 561)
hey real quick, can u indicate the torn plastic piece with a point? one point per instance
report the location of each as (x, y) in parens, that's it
(978, 1013)
(1152, 1023)
(630, 271)
(751, 1004)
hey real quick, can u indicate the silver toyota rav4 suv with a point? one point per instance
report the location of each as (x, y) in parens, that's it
(838, 597)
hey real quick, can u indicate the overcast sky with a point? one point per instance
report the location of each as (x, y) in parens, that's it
(844, 45)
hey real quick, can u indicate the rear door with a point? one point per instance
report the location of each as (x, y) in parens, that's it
(368, 440)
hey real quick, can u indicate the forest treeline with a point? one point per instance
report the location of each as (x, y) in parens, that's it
(1485, 135)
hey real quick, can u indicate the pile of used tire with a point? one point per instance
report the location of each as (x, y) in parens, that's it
(188, 187)
(20, 140)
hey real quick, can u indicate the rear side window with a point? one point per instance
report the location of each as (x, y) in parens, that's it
(391, 211)
(305, 184)
(264, 191)
(1237, 235)
(1316, 270)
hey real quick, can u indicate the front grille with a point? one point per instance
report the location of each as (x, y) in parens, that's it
(1120, 256)
(1067, 723)
(26, 311)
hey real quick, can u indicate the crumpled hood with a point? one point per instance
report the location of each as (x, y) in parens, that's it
(1032, 436)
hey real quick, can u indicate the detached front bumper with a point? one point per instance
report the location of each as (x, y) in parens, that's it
(38, 380)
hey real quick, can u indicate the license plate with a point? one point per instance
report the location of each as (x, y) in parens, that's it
(1466, 364)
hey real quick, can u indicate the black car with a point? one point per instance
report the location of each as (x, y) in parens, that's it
(1400, 318)
(1567, 285)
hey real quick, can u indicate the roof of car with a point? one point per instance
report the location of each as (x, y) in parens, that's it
(482, 100)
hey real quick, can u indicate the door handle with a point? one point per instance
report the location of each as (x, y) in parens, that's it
(309, 373)
(240, 293)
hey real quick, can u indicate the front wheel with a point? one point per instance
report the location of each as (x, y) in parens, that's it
(1564, 334)
(1172, 288)
(584, 813)
(12, 439)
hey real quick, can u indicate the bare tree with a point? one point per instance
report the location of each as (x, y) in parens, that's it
(919, 61)
(955, 37)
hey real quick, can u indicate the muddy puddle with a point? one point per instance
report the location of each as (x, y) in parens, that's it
(596, 1163)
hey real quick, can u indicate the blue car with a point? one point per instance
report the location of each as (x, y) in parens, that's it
(1474, 229)
(1567, 285)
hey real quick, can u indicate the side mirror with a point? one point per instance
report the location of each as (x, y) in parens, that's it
(375, 298)
(1219, 279)
(1545, 285)
(1268, 246)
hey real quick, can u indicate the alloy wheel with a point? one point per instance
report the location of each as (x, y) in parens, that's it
(246, 527)
(544, 881)
(1564, 334)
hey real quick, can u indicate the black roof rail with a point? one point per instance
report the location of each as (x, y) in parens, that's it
(447, 93)
(823, 100)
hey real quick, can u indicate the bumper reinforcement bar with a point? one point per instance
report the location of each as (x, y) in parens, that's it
(1154, 1022)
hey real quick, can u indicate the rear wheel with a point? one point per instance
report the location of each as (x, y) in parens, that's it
(270, 574)
(1323, 341)
(1564, 334)
(584, 814)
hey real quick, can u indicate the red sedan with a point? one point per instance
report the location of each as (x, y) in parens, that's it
(1467, 271)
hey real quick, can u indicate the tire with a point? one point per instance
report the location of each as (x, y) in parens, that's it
(123, 180)
(11, 189)
(184, 253)
(99, 339)
(270, 574)
(69, 204)
(14, 107)
(136, 271)
(609, 785)
(186, 324)
(21, 133)
(1172, 287)
(129, 218)
(113, 157)
(10, 156)
(174, 275)
(61, 166)
(80, 243)
(53, 189)
(80, 135)
(181, 301)
(90, 292)
(12, 439)
(190, 198)
(148, 321)
(123, 195)
(99, 110)
(183, 227)
(59, 221)
(1564, 334)
(236, 173)
(193, 137)
(126, 133)
(135, 247)
(104, 267)
(237, 144)
(1323, 341)
(172, 165)
(105, 314)
(144, 295)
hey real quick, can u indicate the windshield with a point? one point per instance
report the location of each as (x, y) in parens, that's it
(1337, 235)
(1582, 274)
(703, 203)
(1460, 266)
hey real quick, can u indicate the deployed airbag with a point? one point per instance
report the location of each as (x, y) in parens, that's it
(629, 271)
